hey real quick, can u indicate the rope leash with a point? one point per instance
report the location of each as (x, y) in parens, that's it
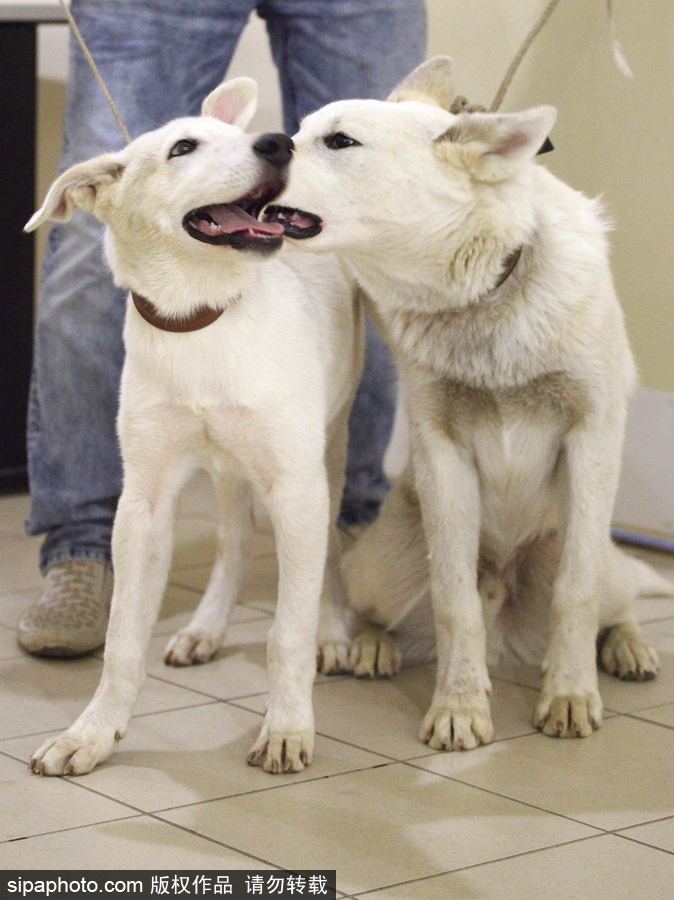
(522, 52)
(94, 68)
(618, 54)
(460, 104)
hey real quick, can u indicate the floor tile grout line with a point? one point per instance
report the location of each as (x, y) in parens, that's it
(265, 613)
(649, 721)
(643, 843)
(616, 713)
(201, 692)
(156, 814)
(664, 818)
(235, 700)
(212, 840)
(212, 701)
(154, 712)
(231, 700)
(396, 758)
(656, 621)
(258, 609)
(27, 837)
(609, 709)
(75, 780)
(517, 683)
(486, 862)
(412, 762)
(164, 809)
(392, 761)
(140, 814)
(514, 682)
(503, 740)
(179, 566)
(638, 714)
(209, 701)
(11, 755)
(274, 787)
(183, 587)
(199, 592)
(515, 799)
(218, 843)
(343, 741)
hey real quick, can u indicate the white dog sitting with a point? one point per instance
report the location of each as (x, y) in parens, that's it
(234, 363)
(490, 280)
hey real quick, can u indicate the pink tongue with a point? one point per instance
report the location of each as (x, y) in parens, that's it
(231, 218)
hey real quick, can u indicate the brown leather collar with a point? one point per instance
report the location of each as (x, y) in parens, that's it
(200, 318)
(509, 264)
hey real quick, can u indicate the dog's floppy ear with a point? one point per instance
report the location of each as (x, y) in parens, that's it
(497, 143)
(233, 102)
(431, 82)
(79, 187)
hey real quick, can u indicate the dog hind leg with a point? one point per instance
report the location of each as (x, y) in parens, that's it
(338, 621)
(199, 641)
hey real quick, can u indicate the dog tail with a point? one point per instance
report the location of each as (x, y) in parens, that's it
(386, 573)
(628, 578)
(650, 583)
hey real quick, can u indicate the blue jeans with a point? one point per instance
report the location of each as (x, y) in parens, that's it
(159, 59)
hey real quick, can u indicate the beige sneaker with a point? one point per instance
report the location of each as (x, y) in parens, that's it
(71, 617)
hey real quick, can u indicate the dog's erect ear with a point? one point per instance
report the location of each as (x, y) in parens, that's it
(497, 143)
(80, 187)
(233, 102)
(431, 82)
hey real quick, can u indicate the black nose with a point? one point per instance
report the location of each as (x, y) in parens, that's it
(275, 148)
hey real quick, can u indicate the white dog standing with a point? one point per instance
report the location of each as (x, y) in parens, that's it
(490, 280)
(257, 388)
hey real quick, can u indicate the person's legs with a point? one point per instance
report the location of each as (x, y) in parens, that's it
(329, 50)
(159, 59)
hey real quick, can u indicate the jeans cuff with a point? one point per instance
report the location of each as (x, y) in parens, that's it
(51, 557)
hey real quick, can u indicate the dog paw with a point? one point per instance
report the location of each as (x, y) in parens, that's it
(73, 754)
(569, 715)
(375, 654)
(278, 752)
(332, 658)
(625, 653)
(188, 648)
(459, 723)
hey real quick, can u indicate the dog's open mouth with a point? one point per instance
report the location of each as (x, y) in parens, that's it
(236, 224)
(296, 223)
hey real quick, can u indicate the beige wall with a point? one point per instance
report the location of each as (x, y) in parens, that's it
(613, 136)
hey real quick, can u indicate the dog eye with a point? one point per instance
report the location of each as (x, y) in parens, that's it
(180, 148)
(340, 140)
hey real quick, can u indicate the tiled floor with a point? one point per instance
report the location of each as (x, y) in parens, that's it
(527, 817)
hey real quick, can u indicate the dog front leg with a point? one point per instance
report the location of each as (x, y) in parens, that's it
(141, 552)
(570, 705)
(199, 641)
(459, 717)
(299, 507)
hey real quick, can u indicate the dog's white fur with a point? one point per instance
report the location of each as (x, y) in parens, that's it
(517, 398)
(260, 398)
